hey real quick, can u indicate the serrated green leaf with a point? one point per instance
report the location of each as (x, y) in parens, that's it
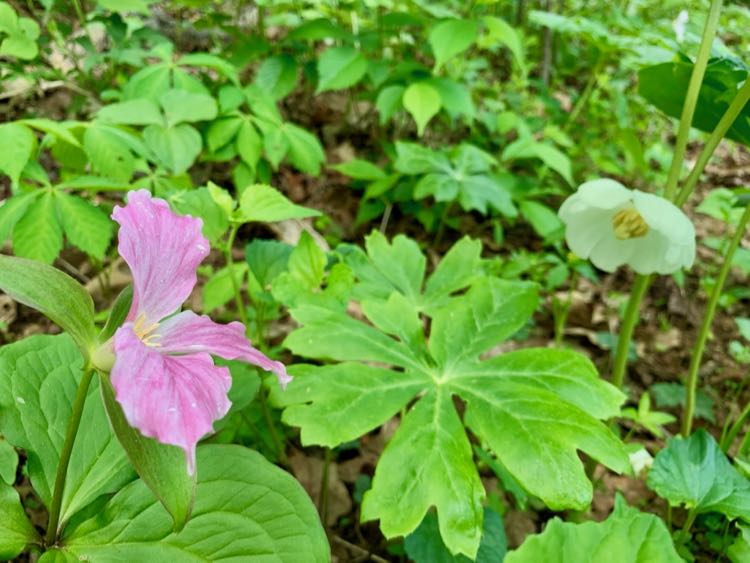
(182, 106)
(17, 144)
(16, 532)
(222, 131)
(199, 203)
(277, 75)
(267, 259)
(54, 294)
(38, 382)
(339, 68)
(263, 203)
(450, 38)
(429, 463)
(54, 128)
(695, 472)
(248, 509)
(305, 150)
(38, 234)
(460, 266)
(140, 111)
(12, 210)
(423, 102)
(249, 144)
(86, 226)
(109, 155)
(219, 289)
(627, 536)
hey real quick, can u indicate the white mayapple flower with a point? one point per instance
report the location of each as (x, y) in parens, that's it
(612, 225)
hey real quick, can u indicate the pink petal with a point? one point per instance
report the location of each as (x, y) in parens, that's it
(187, 333)
(163, 250)
(174, 399)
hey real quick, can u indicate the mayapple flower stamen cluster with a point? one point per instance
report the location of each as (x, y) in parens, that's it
(612, 226)
(160, 359)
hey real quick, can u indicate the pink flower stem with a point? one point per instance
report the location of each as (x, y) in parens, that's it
(67, 450)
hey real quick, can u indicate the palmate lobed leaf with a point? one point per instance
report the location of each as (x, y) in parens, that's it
(535, 409)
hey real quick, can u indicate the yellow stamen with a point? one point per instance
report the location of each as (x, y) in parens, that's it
(628, 223)
(143, 331)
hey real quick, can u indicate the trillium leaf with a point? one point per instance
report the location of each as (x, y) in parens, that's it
(627, 536)
(54, 294)
(535, 409)
(38, 380)
(16, 532)
(162, 467)
(249, 510)
(339, 68)
(695, 472)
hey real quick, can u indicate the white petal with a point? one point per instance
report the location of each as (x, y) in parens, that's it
(664, 216)
(604, 193)
(649, 254)
(585, 229)
(611, 252)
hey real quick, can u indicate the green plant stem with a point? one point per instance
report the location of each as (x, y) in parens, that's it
(65, 453)
(685, 532)
(323, 508)
(691, 99)
(239, 302)
(79, 12)
(629, 320)
(588, 90)
(726, 442)
(745, 444)
(726, 121)
(708, 317)
(280, 446)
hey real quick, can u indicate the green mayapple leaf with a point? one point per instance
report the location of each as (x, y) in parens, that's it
(627, 536)
(16, 532)
(695, 472)
(246, 509)
(38, 380)
(535, 409)
(161, 467)
(339, 68)
(450, 38)
(54, 294)
(423, 102)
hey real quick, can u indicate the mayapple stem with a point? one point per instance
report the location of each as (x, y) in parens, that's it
(691, 98)
(726, 121)
(629, 320)
(67, 450)
(708, 317)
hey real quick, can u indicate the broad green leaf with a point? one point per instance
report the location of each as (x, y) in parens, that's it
(400, 262)
(54, 128)
(117, 314)
(199, 203)
(317, 29)
(424, 545)
(627, 536)
(246, 509)
(207, 60)
(665, 85)
(222, 131)
(8, 462)
(53, 293)
(263, 203)
(86, 226)
(219, 289)
(695, 472)
(110, 156)
(277, 75)
(305, 150)
(739, 551)
(460, 266)
(175, 147)
(11, 210)
(359, 399)
(490, 312)
(140, 111)
(545, 222)
(21, 34)
(359, 170)
(549, 155)
(423, 102)
(412, 158)
(38, 234)
(307, 262)
(339, 68)
(429, 463)
(450, 38)
(181, 106)
(149, 82)
(40, 375)
(482, 193)
(275, 145)
(500, 31)
(249, 144)
(17, 144)
(455, 98)
(16, 532)
(161, 467)
(267, 259)
(389, 102)
(398, 317)
(125, 6)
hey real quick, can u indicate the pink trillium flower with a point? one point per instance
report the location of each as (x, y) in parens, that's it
(163, 374)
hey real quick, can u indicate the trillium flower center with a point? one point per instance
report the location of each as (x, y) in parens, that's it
(628, 223)
(145, 331)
